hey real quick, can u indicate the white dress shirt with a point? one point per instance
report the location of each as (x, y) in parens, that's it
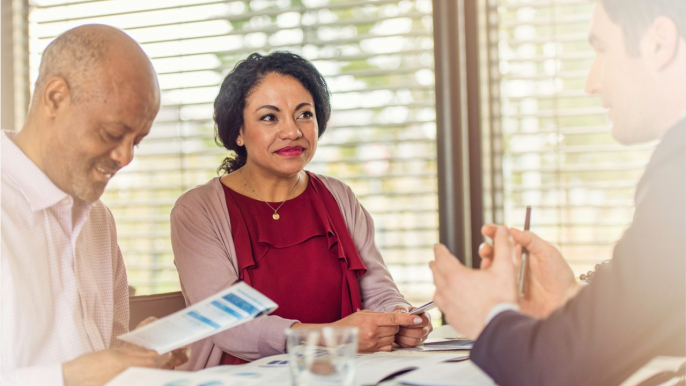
(62, 277)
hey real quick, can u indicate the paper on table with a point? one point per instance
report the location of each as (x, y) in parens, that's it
(447, 344)
(372, 368)
(228, 308)
(229, 376)
(273, 371)
(444, 348)
(270, 371)
(447, 374)
(445, 332)
(279, 361)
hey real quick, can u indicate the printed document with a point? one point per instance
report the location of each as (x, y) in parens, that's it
(228, 308)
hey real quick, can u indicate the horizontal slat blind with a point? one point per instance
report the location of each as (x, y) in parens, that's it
(377, 57)
(559, 155)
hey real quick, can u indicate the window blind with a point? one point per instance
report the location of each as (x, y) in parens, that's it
(558, 154)
(377, 57)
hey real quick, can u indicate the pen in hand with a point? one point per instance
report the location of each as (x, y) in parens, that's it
(422, 309)
(523, 266)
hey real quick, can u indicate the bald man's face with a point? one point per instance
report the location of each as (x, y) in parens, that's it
(95, 138)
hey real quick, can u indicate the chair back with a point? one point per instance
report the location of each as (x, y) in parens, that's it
(158, 305)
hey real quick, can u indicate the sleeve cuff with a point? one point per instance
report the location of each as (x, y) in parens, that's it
(272, 335)
(391, 307)
(40, 376)
(502, 307)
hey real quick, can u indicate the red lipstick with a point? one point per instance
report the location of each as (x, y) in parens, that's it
(290, 151)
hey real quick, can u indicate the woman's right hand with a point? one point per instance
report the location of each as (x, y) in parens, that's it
(377, 329)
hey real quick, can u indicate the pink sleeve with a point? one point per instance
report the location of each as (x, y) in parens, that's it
(206, 265)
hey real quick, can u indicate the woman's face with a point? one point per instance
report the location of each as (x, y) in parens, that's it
(279, 126)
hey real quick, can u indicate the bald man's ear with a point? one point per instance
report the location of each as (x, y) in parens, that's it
(55, 96)
(663, 42)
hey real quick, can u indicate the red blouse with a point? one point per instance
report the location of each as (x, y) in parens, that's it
(306, 261)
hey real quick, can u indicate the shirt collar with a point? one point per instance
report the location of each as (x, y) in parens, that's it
(672, 143)
(37, 188)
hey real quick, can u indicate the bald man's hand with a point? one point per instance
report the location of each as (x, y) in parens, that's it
(465, 295)
(178, 356)
(98, 368)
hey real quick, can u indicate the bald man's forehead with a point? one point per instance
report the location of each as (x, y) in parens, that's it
(87, 57)
(128, 106)
(128, 65)
(131, 78)
(123, 82)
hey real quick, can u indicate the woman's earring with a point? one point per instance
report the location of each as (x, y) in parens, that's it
(239, 142)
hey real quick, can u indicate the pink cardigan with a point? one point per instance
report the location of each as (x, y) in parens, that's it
(205, 257)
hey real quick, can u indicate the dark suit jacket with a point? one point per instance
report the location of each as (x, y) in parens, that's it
(633, 309)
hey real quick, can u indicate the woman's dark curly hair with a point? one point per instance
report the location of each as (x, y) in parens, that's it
(240, 83)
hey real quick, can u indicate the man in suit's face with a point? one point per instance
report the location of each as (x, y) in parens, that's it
(640, 81)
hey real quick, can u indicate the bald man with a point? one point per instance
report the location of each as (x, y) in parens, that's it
(64, 289)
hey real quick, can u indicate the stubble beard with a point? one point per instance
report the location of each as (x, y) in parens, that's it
(83, 184)
(85, 189)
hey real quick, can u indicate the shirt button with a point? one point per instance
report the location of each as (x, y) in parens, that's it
(66, 201)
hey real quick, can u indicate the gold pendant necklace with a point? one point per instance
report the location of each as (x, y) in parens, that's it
(276, 215)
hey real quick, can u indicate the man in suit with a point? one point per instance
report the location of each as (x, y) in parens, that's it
(562, 333)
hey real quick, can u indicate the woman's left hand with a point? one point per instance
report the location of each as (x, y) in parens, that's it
(411, 336)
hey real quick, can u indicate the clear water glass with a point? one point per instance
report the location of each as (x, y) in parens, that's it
(322, 356)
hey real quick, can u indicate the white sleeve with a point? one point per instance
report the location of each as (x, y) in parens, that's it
(50, 375)
(498, 308)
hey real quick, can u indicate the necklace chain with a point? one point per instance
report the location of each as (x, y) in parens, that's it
(276, 215)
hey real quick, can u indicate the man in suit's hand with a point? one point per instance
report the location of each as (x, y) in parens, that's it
(550, 281)
(467, 296)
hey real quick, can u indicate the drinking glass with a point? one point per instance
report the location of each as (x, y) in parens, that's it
(322, 356)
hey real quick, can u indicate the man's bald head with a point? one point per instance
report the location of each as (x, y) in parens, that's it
(80, 56)
(95, 99)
